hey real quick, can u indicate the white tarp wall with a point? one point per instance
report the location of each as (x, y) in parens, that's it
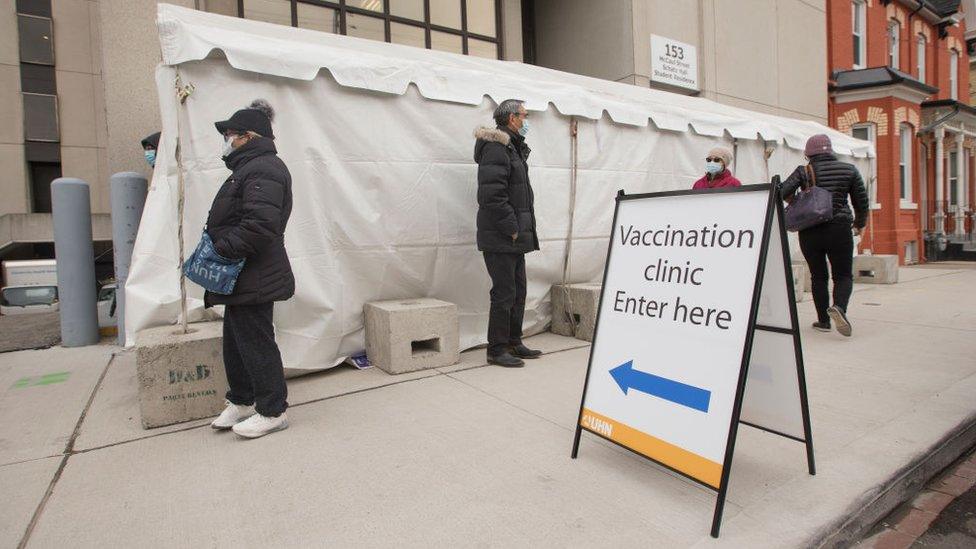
(384, 183)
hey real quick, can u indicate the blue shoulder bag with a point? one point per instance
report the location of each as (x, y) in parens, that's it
(212, 271)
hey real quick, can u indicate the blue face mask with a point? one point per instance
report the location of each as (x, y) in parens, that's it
(524, 129)
(151, 158)
(713, 168)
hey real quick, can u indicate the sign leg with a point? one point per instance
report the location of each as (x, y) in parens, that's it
(576, 442)
(811, 464)
(717, 517)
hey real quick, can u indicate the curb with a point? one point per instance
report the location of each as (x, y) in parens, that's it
(902, 486)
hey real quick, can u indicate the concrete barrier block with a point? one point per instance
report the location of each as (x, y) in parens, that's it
(574, 310)
(876, 269)
(181, 376)
(799, 275)
(407, 335)
(807, 284)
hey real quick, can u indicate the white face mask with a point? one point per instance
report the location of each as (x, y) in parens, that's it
(228, 146)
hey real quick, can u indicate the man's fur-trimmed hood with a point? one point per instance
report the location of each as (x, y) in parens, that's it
(487, 133)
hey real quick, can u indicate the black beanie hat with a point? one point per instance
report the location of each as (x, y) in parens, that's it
(256, 118)
(151, 141)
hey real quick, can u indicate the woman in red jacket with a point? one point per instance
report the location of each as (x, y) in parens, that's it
(717, 173)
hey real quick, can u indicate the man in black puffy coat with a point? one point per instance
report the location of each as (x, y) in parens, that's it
(247, 221)
(832, 241)
(506, 228)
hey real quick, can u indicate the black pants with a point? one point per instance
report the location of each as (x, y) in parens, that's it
(507, 272)
(833, 242)
(252, 361)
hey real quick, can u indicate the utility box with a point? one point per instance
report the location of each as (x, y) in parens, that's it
(574, 310)
(876, 269)
(181, 376)
(407, 335)
(806, 282)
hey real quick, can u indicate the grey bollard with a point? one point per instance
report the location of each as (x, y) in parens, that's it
(128, 199)
(76, 262)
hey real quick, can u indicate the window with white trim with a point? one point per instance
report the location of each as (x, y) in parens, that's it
(858, 20)
(893, 44)
(867, 133)
(920, 57)
(953, 179)
(954, 75)
(905, 162)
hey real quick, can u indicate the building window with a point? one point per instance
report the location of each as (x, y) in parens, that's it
(36, 40)
(893, 44)
(954, 75)
(459, 26)
(41, 118)
(866, 132)
(953, 179)
(905, 163)
(920, 57)
(859, 18)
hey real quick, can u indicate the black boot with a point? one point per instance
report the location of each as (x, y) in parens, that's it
(506, 360)
(821, 326)
(522, 351)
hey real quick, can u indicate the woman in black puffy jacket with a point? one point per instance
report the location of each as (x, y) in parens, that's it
(832, 241)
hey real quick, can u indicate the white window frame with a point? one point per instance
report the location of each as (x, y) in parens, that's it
(954, 74)
(859, 29)
(871, 180)
(953, 181)
(920, 45)
(894, 44)
(905, 166)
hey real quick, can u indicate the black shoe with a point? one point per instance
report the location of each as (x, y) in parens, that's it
(506, 360)
(821, 326)
(521, 351)
(840, 320)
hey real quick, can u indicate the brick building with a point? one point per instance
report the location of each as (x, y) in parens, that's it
(899, 76)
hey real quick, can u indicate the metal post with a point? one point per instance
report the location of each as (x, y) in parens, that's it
(128, 199)
(76, 262)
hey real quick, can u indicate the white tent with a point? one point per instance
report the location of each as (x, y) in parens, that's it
(378, 138)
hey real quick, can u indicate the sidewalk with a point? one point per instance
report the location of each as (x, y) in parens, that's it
(479, 456)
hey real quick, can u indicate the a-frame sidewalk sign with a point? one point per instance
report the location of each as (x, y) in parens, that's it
(697, 332)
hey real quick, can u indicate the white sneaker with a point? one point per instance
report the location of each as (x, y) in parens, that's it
(258, 425)
(232, 415)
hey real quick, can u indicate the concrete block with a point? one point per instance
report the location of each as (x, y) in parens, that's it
(181, 376)
(799, 274)
(407, 335)
(807, 284)
(876, 269)
(574, 310)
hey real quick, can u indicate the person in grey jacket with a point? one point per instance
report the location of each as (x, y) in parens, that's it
(506, 228)
(832, 241)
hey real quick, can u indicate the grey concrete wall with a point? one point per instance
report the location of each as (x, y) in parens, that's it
(13, 184)
(761, 55)
(586, 37)
(130, 53)
(81, 107)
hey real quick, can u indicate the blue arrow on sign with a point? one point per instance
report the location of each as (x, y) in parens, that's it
(674, 391)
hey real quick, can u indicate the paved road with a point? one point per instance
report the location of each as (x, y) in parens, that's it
(955, 527)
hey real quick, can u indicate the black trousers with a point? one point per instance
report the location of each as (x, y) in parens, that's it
(252, 360)
(831, 242)
(507, 272)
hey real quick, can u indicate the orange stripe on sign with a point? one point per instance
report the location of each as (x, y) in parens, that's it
(677, 458)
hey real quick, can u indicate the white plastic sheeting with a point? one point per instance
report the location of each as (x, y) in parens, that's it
(384, 183)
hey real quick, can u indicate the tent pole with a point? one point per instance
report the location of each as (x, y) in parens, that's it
(567, 270)
(182, 93)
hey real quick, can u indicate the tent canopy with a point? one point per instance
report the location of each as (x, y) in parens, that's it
(255, 46)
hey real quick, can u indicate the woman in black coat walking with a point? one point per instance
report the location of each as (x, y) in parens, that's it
(247, 221)
(832, 241)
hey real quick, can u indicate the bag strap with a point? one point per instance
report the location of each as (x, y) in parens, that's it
(811, 176)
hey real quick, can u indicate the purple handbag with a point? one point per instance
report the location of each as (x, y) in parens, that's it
(811, 206)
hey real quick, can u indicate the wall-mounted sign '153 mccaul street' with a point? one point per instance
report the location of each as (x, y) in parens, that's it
(697, 332)
(674, 63)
